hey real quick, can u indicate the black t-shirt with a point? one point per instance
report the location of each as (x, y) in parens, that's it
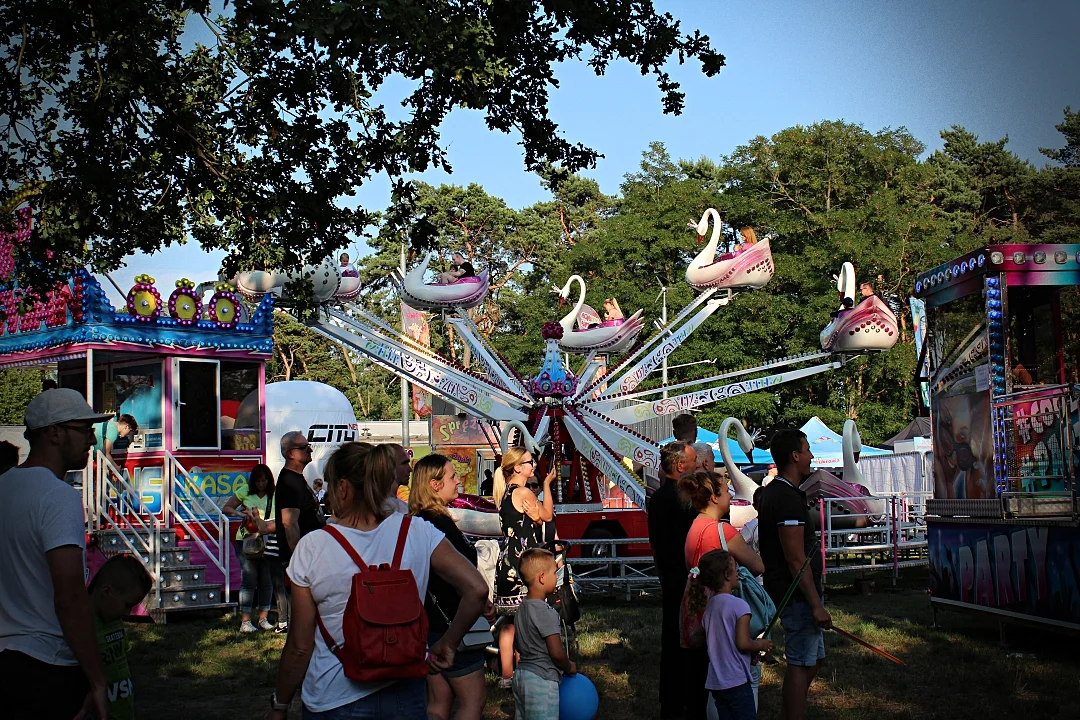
(783, 506)
(669, 523)
(445, 595)
(292, 491)
(467, 268)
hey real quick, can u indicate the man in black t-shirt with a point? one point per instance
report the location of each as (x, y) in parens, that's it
(669, 522)
(786, 539)
(296, 511)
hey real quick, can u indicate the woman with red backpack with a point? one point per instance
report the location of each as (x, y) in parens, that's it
(358, 632)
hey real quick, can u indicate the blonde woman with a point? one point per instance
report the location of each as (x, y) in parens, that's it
(434, 486)
(523, 518)
(359, 480)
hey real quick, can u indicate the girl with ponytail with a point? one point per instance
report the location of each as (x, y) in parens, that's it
(726, 634)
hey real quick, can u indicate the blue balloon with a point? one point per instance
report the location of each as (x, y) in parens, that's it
(578, 699)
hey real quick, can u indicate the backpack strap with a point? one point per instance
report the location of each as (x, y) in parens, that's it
(346, 546)
(403, 535)
(723, 540)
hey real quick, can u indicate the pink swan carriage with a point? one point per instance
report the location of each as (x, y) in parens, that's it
(751, 267)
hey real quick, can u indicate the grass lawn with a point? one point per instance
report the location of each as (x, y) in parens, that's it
(205, 669)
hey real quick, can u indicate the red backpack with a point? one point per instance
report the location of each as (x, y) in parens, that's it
(385, 626)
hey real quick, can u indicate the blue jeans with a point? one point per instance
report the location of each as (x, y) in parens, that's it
(281, 589)
(255, 582)
(804, 641)
(404, 700)
(735, 703)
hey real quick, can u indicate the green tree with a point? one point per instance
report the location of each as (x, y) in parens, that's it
(131, 140)
(18, 387)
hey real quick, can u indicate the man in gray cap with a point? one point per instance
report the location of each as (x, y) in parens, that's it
(48, 645)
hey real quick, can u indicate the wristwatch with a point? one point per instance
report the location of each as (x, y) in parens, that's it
(278, 706)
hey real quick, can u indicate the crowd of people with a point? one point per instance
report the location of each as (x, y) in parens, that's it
(62, 643)
(707, 651)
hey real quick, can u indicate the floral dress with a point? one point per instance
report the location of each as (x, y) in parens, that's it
(521, 533)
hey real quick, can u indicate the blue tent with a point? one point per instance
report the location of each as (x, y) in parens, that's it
(761, 457)
(828, 446)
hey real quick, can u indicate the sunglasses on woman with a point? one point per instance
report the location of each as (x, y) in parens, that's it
(533, 485)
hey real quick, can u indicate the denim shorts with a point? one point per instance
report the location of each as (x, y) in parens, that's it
(403, 700)
(804, 641)
(466, 662)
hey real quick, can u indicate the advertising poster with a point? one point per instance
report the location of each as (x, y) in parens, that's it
(1038, 435)
(415, 323)
(1032, 570)
(458, 430)
(464, 460)
(218, 478)
(963, 443)
(918, 319)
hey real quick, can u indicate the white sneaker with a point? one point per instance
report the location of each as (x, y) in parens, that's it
(264, 624)
(247, 627)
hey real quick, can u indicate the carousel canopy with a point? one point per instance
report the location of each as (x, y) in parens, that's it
(828, 446)
(761, 457)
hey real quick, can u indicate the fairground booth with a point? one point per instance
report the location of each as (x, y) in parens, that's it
(180, 371)
(1004, 370)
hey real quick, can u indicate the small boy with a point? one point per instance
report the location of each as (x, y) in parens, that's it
(538, 642)
(118, 586)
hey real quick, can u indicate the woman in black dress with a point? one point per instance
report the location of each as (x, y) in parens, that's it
(526, 523)
(434, 485)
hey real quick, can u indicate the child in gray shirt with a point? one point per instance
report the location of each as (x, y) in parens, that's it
(538, 642)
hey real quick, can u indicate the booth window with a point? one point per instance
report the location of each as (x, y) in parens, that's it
(238, 381)
(1033, 343)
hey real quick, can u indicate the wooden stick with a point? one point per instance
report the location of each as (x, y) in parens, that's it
(879, 651)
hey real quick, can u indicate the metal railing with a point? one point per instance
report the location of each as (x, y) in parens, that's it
(118, 506)
(180, 500)
(604, 570)
(891, 533)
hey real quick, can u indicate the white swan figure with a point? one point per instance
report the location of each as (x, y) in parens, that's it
(751, 267)
(528, 442)
(852, 444)
(465, 293)
(744, 486)
(613, 336)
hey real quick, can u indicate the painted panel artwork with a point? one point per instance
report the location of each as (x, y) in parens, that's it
(1028, 569)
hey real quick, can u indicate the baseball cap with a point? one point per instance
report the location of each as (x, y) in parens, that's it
(60, 405)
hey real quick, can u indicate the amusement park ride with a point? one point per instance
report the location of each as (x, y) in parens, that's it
(585, 416)
(190, 366)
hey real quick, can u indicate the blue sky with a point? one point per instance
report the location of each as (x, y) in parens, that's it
(997, 68)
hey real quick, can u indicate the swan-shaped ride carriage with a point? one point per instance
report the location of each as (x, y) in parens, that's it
(466, 292)
(611, 336)
(750, 267)
(868, 326)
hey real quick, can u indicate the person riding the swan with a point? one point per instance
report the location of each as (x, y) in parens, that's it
(459, 268)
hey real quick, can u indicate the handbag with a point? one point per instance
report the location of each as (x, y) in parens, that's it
(254, 544)
(762, 608)
(478, 636)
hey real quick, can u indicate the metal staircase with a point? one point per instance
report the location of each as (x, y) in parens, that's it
(119, 521)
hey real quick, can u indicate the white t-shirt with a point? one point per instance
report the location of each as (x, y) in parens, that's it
(38, 513)
(321, 564)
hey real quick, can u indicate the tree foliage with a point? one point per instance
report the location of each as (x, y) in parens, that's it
(132, 139)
